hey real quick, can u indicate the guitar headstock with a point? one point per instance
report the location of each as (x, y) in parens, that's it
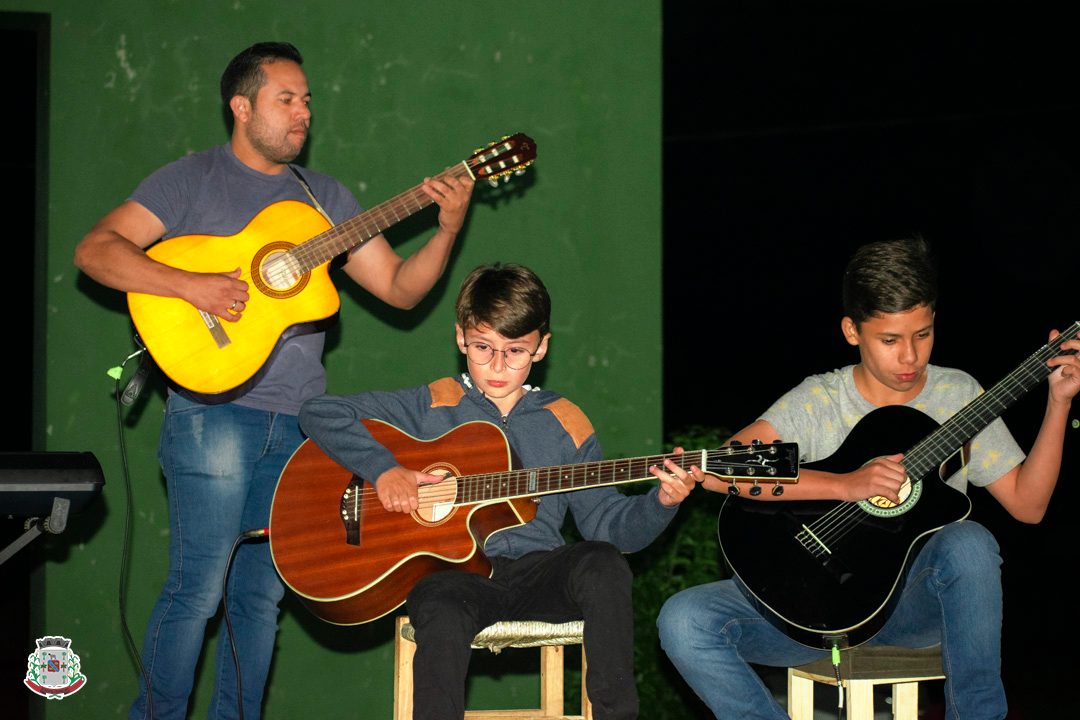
(499, 159)
(773, 464)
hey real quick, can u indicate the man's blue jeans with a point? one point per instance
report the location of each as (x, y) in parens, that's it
(952, 596)
(221, 466)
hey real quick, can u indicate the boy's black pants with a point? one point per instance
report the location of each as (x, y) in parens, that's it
(588, 581)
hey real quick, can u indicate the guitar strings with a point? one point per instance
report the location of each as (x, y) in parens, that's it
(326, 245)
(504, 485)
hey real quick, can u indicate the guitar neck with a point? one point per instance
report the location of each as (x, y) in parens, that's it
(777, 462)
(542, 481)
(933, 450)
(359, 229)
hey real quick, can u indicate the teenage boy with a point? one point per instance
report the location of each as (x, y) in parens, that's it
(952, 592)
(503, 316)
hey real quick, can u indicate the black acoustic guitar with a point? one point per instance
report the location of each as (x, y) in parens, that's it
(830, 572)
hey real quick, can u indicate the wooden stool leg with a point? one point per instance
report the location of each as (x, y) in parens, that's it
(860, 700)
(905, 701)
(403, 673)
(800, 694)
(551, 680)
(586, 704)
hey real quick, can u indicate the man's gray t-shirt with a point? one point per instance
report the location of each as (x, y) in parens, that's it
(213, 193)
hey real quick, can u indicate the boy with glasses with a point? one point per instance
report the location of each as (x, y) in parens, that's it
(503, 328)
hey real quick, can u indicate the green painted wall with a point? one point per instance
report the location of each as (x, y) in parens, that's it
(399, 93)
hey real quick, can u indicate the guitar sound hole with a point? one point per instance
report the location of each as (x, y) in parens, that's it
(280, 271)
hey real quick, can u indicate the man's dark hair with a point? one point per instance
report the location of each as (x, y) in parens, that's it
(510, 298)
(889, 277)
(244, 74)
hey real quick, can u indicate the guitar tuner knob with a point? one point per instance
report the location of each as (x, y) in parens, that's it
(733, 489)
(778, 490)
(735, 443)
(756, 490)
(755, 442)
(493, 182)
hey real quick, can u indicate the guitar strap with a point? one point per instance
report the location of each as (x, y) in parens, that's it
(307, 188)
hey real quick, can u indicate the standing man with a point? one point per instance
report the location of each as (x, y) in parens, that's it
(221, 462)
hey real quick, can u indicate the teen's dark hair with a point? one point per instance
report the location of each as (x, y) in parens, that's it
(244, 74)
(889, 277)
(510, 298)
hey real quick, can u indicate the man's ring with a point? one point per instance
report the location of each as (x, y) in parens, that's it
(233, 306)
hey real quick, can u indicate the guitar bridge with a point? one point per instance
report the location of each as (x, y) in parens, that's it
(351, 501)
(217, 332)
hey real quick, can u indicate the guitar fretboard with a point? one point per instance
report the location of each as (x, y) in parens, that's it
(776, 462)
(935, 448)
(359, 229)
(539, 481)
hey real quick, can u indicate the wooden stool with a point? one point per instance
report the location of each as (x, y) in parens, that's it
(549, 637)
(861, 668)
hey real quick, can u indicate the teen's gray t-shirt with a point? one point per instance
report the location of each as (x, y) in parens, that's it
(820, 412)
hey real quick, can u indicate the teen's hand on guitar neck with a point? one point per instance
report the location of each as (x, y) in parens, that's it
(1065, 383)
(1025, 491)
(398, 488)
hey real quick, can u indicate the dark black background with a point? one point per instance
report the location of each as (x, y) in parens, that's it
(794, 132)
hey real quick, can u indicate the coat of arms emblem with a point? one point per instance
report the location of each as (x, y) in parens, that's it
(53, 670)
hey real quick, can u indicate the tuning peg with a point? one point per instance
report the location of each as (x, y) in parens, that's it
(755, 442)
(778, 490)
(733, 489)
(735, 442)
(519, 171)
(756, 489)
(493, 182)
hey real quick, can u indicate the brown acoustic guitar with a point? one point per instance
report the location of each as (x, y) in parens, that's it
(351, 561)
(284, 254)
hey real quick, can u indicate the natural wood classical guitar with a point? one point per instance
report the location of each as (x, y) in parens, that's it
(351, 561)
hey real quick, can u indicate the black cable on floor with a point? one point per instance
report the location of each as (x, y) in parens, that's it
(243, 537)
(126, 398)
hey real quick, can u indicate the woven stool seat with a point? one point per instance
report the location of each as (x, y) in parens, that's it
(549, 637)
(861, 668)
(518, 633)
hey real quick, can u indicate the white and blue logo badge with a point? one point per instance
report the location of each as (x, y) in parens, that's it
(53, 670)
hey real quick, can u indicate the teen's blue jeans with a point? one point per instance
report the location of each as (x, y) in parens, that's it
(952, 596)
(221, 466)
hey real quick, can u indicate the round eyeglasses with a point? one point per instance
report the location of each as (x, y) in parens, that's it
(515, 358)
